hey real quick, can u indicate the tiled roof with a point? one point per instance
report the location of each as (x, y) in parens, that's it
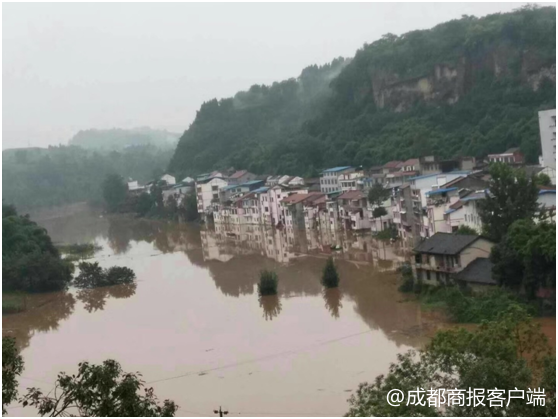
(238, 174)
(298, 197)
(438, 191)
(352, 195)
(446, 243)
(479, 271)
(411, 162)
(392, 164)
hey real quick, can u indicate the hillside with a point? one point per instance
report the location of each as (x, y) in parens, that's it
(120, 139)
(468, 86)
(53, 176)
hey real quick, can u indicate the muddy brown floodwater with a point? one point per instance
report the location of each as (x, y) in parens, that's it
(194, 326)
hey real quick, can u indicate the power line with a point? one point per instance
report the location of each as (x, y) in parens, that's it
(263, 358)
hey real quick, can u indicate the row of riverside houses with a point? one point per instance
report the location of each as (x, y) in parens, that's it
(427, 196)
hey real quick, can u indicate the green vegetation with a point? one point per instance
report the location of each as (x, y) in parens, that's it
(513, 196)
(330, 277)
(62, 175)
(407, 279)
(30, 262)
(525, 259)
(78, 251)
(466, 230)
(91, 275)
(114, 191)
(12, 366)
(464, 307)
(507, 353)
(369, 110)
(13, 302)
(268, 283)
(96, 390)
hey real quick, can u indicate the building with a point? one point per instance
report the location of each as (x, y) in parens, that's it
(477, 275)
(292, 209)
(353, 210)
(351, 181)
(240, 176)
(171, 180)
(547, 130)
(207, 192)
(329, 181)
(464, 212)
(510, 156)
(392, 166)
(439, 258)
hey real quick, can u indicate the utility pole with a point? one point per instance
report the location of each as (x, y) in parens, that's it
(221, 412)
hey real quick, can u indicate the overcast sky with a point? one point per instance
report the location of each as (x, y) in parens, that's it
(68, 67)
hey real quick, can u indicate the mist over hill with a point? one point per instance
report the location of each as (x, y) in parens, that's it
(469, 86)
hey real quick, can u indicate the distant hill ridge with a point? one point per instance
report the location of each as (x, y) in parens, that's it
(470, 86)
(119, 139)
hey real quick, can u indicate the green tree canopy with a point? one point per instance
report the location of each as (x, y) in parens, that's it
(114, 191)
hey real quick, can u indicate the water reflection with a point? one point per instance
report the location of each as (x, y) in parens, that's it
(95, 298)
(43, 314)
(332, 298)
(271, 305)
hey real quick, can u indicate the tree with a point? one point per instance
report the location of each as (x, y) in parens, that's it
(511, 196)
(91, 275)
(190, 206)
(12, 366)
(330, 277)
(99, 390)
(268, 283)
(542, 179)
(525, 259)
(143, 204)
(465, 230)
(30, 262)
(377, 195)
(114, 191)
(509, 352)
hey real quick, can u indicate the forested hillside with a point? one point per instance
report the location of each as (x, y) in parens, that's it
(38, 177)
(469, 86)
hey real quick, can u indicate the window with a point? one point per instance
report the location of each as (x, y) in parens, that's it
(214, 187)
(427, 274)
(215, 196)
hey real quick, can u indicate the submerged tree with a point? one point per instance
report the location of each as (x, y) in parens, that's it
(268, 283)
(330, 277)
(91, 275)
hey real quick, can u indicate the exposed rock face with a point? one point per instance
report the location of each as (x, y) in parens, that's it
(446, 83)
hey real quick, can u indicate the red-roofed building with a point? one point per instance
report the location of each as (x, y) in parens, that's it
(391, 166)
(353, 210)
(240, 176)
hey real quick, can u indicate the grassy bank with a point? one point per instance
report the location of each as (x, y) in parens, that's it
(13, 303)
(462, 306)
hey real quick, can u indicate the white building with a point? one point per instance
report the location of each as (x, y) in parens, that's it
(329, 181)
(547, 128)
(171, 180)
(207, 192)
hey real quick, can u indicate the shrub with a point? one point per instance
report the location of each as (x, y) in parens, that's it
(268, 283)
(330, 277)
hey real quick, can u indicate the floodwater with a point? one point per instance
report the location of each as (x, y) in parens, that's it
(195, 328)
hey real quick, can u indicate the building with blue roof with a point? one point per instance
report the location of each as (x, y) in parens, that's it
(329, 180)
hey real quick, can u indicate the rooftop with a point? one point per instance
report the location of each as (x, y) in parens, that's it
(455, 172)
(298, 197)
(392, 164)
(337, 169)
(411, 162)
(479, 271)
(238, 174)
(446, 243)
(439, 191)
(352, 195)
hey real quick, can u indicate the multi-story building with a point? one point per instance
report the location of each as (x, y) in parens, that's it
(442, 256)
(351, 181)
(547, 128)
(464, 212)
(329, 181)
(510, 156)
(353, 210)
(207, 192)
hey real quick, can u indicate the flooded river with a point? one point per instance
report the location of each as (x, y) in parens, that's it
(194, 326)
